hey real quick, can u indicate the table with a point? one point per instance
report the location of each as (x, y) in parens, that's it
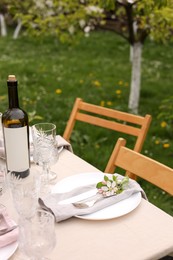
(143, 234)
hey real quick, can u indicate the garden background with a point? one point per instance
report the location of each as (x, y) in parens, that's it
(51, 75)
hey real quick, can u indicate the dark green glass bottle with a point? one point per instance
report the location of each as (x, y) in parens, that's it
(16, 133)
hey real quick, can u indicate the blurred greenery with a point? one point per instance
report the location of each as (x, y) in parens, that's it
(51, 75)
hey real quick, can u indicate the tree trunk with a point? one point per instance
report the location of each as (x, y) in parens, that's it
(17, 30)
(131, 54)
(3, 25)
(135, 78)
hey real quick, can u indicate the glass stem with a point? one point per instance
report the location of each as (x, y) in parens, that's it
(45, 173)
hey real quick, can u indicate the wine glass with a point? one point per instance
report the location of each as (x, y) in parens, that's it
(45, 149)
(37, 235)
(25, 192)
(3, 181)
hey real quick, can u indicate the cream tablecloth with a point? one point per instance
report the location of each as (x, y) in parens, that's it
(144, 233)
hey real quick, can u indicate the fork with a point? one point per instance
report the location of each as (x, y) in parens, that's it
(89, 202)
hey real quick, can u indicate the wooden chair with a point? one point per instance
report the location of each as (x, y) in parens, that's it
(146, 168)
(122, 122)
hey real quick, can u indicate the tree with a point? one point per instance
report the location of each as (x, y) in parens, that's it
(6, 18)
(3, 28)
(64, 19)
(134, 20)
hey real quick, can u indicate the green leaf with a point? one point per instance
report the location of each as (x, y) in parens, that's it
(106, 178)
(125, 181)
(114, 178)
(99, 185)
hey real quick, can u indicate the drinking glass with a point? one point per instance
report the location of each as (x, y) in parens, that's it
(37, 235)
(2, 152)
(25, 192)
(45, 149)
(3, 181)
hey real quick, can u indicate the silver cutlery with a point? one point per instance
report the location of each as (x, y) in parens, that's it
(7, 230)
(89, 202)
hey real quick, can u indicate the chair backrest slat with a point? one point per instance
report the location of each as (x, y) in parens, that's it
(123, 116)
(118, 121)
(108, 124)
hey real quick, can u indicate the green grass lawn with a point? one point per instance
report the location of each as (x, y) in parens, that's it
(97, 69)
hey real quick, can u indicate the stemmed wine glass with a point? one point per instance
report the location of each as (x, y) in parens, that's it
(37, 235)
(3, 181)
(45, 149)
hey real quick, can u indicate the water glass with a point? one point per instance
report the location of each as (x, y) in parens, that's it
(3, 181)
(25, 192)
(2, 208)
(37, 235)
(2, 151)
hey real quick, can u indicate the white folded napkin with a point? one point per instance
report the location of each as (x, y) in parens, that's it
(7, 222)
(65, 211)
(63, 143)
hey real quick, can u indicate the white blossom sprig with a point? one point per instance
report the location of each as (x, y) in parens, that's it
(112, 186)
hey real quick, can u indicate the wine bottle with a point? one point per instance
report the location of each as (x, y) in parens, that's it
(16, 133)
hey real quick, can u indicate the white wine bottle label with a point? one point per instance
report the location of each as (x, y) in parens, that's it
(17, 153)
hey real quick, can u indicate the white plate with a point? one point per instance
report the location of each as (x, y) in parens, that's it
(7, 251)
(119, 209)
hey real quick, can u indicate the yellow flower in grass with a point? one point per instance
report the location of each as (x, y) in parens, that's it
(97, 146)
(163, 124)
(118, 92)
(102, 103)
(32, 102)
(96, 83)
(24, 103)
(81, 81)
(58, 91)
(120, 82)
(2, 97)
(157, 141)
(126, 84)
(166, 145)
(109, 103)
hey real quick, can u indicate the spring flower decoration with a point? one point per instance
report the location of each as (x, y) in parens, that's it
(112, 186)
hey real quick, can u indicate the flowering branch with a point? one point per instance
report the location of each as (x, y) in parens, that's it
(112, 186)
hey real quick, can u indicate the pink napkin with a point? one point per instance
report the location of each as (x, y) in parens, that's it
(7, 222)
